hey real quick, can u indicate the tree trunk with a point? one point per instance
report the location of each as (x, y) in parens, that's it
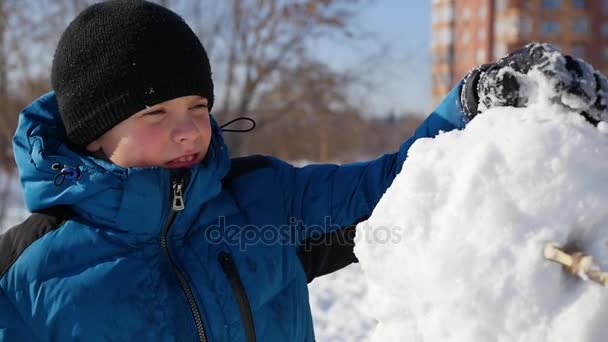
(5, 131)
(4, 198)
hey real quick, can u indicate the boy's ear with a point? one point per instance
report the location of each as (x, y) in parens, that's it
(95, 146)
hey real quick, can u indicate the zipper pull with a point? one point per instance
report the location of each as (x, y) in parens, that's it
(178, 198)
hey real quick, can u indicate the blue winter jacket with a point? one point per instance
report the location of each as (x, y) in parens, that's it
(146, 254)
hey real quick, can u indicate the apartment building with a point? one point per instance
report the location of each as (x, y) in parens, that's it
(466, 33)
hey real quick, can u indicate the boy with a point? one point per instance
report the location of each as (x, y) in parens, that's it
(143, 228)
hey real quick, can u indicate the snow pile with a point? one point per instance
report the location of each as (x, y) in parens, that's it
(467, 221)
(340, 308)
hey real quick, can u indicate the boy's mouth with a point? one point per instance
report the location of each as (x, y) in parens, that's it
(184, 161)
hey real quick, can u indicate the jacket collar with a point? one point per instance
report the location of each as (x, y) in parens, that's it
(128, 200)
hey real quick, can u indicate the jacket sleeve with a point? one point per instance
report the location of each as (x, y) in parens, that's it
(323, 198)
(325, 202)
(12, 327)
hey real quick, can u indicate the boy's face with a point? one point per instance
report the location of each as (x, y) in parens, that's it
(171, 134)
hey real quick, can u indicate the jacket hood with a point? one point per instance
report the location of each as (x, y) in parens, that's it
(136, 198)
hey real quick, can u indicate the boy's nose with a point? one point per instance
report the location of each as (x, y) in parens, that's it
(185, 130)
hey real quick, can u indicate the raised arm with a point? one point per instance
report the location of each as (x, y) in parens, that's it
(349, 193)
(323, 198)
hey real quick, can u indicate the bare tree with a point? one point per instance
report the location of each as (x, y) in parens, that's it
(308, 95)
(252, 41)
(4, 131)
(310, 115)
(26, 45)
(3, 107)
(262, 53)
(25, 41)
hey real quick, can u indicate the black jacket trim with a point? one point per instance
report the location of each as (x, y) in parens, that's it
(21, 236)
(329, 252)
(319, 255)
(240, 294)
(244, 165)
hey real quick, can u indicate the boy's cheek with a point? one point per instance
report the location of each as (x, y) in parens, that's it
(145, 148)
(152, 136)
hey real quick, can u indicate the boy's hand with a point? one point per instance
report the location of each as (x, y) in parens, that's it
(576, 85)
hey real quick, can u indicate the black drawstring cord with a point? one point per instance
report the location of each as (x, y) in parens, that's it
(71, 173)
(238, 130)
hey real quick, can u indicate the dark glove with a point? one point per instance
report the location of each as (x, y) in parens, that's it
(577, 86)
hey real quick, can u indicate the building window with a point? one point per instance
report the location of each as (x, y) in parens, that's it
(605, 6)
(549, 27)
(525, 25)
(502, 5)
(449, 13)
(604, 29)
(579, 51)
(482, 12)
(465, 37)
(441, 37)
(500, 50)
(579, 3)
(506, 26)
(580, 25)
(481, 56)
(481, 34)
(605, 52)
(442, 14)
(466, 13)
(551, 4)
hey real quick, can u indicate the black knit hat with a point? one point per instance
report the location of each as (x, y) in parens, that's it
(120, 56)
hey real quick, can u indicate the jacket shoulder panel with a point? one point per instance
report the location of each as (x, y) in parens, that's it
(21, 236)
(253, 183)
(244, 165)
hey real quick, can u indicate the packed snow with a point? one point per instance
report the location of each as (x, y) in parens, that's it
(340, 308)
(468, 218)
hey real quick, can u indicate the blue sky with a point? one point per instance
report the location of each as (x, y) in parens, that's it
(403, 82)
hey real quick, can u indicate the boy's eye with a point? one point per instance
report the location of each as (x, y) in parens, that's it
(156, 112)
(199, 109)
(154, 116)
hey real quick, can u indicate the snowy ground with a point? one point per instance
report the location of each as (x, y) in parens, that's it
(340, 308)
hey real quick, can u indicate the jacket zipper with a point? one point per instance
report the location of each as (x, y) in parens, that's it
(177, 204)
(232, 273)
